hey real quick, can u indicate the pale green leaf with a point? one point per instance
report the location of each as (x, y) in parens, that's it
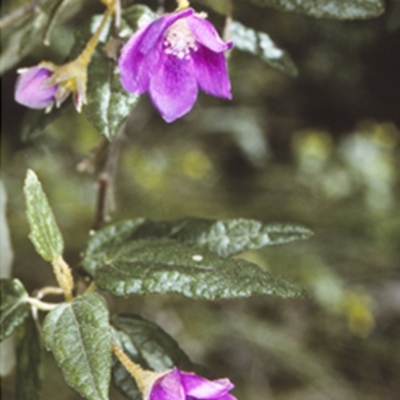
(79, 335)
(14, 307)
(45, 234)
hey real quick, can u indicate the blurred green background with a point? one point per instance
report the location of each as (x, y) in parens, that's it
(320, 149)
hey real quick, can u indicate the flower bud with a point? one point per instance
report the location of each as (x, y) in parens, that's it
(33, 89)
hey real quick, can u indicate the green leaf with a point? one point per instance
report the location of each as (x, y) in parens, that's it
(148, 345)
(19, 39)
(136, 17)
(55, 16)
(45, 234)
(159, 266)
(223, 7)
(29, 357)
(14, 308)
(338, 9)
(79, 335)
(224, 237)
(109, 105)
(107, 238)
(20, 36)
(260, 44)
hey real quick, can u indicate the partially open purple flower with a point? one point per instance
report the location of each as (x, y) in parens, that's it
(173, 56)
(179, 385)
(33, 90)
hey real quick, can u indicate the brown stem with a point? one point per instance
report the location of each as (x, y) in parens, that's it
(105, 197)
(89, 164)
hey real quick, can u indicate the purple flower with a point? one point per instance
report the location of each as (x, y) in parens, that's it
(33, 89)
(173, 56)
(179, 385)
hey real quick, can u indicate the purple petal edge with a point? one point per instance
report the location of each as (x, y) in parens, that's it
(206, 34)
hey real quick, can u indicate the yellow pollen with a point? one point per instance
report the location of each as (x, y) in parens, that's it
(70, 84)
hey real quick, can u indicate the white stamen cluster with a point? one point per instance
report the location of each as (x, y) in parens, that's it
(179, 40)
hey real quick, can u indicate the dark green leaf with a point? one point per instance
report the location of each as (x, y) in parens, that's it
(160, 266)
(109, 105)
(148, 345)
(29, 357)
(121, 378)
(260, 44)
(14, 308)
(45, 234)
(339, 9)
(135, 17)
(224, 237)
(223, 7)
(54, 17)
(79, 335)
(107, 238)
(35, 122)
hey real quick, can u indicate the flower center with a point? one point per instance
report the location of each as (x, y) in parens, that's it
(179, 40)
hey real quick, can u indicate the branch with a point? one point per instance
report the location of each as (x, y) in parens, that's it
(105, 197)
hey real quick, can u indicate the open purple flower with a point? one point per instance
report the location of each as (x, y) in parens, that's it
(173, 56)
(33, 89)
(179, 385)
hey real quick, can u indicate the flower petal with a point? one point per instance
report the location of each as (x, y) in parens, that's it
(211, 72)
(226, 397)
(139, 56)
(201, 388)
(132, 66)
(157, 28)
(168, 387)
(32, 89)
(206, 34)
(173, 89)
